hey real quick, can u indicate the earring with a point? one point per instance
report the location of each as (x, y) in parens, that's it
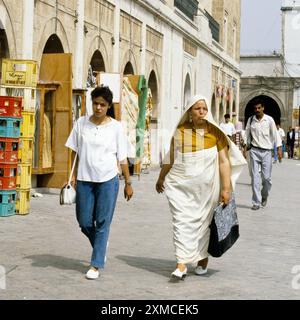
(190, 118)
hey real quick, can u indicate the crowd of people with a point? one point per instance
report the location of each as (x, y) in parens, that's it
(199, 171)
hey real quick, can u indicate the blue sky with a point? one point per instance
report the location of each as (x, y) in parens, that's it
(260, 26)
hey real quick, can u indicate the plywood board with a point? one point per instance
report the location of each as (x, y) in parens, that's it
(58, 67)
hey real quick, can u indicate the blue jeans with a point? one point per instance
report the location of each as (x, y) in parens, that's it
(95, 205)
(275, 153)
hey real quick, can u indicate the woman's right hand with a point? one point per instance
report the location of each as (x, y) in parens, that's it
(73, 182)
(160, 185)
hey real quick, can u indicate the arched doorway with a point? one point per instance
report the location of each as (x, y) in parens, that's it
(53, 45)
(154, 147)
(152, 84)
(271, 108)
(187, 89)
(96, 66)
(128, 68)
(233, 107)
(221, 110)
(97, 62)
(50, 125)
(227, 101)
(213, 107)
(4, 51)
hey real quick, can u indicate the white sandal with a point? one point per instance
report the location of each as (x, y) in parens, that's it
(179, 274)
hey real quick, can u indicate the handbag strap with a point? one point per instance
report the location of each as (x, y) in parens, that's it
(72, 170)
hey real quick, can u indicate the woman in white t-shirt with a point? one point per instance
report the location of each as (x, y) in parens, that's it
(100, 143)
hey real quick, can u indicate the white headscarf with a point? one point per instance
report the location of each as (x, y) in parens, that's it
(236, 158)
(190, 103)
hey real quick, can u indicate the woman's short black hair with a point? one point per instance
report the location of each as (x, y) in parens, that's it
(104, 92)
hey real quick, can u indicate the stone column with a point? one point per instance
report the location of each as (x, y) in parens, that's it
(28, 17)
(237, 99)
(78, 57)
(143, 48)
(115, 39)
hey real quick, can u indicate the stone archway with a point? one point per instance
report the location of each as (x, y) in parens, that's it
(47, 32)
(187, 89)
(154, 138)
(53, 45)
(271, 108)
(221, 110)
(97, 62)
(97, 44)
(213, 107)
(130, 60)
(6, 26)
(128, 69)
(152, 84)
(4, 49)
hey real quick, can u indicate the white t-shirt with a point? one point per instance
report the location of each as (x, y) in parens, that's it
(281, 133)
(228, 128)
(98, 147)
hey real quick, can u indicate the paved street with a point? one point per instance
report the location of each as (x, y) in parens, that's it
(45, 255)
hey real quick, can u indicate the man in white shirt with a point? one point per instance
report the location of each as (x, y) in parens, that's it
(261, 135)
(281, 133)
(228, 127)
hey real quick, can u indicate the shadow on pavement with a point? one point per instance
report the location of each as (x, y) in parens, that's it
(242, 206)
(244, 183)
(59, 262)
(158, 266)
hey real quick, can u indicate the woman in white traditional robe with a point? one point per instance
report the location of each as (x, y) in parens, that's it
(200, 170)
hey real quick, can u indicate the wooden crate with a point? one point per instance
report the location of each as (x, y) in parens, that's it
(21, 73)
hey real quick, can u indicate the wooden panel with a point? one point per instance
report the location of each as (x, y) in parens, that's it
(58, 67)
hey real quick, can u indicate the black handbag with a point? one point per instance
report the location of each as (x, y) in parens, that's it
(224, 229)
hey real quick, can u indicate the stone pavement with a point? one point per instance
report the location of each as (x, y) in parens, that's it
(45, 255)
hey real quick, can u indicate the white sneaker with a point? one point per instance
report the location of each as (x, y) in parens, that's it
(199, 271)
(92, 274)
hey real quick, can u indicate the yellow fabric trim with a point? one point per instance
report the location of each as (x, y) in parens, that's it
(188, 139)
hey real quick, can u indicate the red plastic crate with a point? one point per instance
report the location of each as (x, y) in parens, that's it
(9, 150)
(8, 176)
(10, 106)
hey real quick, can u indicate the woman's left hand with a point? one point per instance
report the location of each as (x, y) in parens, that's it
(225, 196)
(128, 192)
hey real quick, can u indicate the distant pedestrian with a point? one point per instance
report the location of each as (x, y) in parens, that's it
(281, 133)
(100, 143)
(290, 142)
(202, 169)
(228, 127)
(261, 135)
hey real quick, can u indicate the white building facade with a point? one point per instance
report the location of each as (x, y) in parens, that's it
(178, 53)
(291, 49)
(276, 77)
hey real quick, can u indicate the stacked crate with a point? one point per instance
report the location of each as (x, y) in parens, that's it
(19, 78)
(10, 122)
